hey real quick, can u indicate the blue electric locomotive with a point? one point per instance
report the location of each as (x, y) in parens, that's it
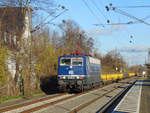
(78, 72)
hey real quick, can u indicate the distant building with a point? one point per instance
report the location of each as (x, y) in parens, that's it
(15, 25)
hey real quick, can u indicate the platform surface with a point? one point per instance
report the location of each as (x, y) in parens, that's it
(132, 100)
(145, 97)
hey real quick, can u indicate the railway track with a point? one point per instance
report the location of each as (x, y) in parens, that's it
(66, 99)
(13, 107)
(106, 106)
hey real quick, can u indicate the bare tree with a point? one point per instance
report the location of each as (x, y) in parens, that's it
(113, 62)
(74, 38)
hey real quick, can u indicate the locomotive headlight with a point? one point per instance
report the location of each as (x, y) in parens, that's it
(78, 77)
(64, 77)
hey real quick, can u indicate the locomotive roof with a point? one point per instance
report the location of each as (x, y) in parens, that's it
(74, 56)
(77, 56)
(92, 59)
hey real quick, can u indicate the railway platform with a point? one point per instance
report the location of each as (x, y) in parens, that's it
(137, 99)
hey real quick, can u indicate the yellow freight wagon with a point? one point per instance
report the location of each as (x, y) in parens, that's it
(111, 77)
(131, 74)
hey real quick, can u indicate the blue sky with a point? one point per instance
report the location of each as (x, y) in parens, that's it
(112, 37)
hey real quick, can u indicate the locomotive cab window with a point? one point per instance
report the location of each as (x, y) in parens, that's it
(65, 61)
(77, 61)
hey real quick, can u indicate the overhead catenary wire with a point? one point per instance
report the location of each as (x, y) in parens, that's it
(115, 9)
(129, 15)
(56, 16)
(67, 2)
(144, 6)
(94, 3)
(102, 5)
(48, 22)
(125, 23)
(46, 17)
(115, 23)
(147, 17)
(86, 4)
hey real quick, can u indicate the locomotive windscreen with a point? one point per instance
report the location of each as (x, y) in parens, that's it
(65, 61)
(77, 61)
(71, 61)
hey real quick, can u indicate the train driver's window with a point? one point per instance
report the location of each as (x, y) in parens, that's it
(65, 61)
(77, 61)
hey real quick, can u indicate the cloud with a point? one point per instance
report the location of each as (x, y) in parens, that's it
(105, 31)
(137, 49)
(134, 59)
(134, 55)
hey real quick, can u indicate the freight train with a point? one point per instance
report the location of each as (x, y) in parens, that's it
(79, 72)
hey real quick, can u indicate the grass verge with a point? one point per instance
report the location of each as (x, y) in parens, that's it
(8, 98)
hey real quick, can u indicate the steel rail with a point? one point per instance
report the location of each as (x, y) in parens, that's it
(13, 107)
(29, 103)
(90, 102)
(48, 104)
(58, 101)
